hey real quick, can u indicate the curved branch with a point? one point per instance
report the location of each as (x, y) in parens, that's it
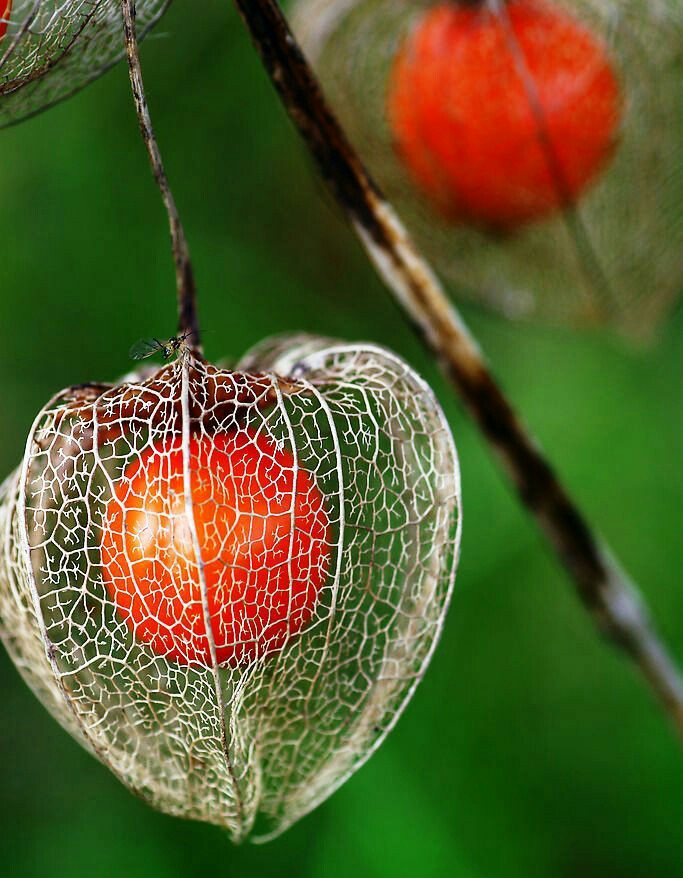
(606, 592)
(187, 292)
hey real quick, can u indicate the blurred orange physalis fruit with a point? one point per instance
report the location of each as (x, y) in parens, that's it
(5, 11)
(503, 115)
(254, 560)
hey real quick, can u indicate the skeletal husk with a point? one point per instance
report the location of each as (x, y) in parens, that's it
(614, 257)
(52, 48)
(251, 747)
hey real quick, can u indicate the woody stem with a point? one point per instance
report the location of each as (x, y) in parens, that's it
(185, 284)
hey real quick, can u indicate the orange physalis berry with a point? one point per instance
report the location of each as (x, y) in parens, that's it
(257, 559)
(503, 115)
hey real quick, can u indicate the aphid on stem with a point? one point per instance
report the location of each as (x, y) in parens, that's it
(148, 347)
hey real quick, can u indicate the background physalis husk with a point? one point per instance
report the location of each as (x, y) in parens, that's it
(269, 740)
(52, 48)
(618, 258)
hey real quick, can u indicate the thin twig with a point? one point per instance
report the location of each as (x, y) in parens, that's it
(607, 593)
(187, 294)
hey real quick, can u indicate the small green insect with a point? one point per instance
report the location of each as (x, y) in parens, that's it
(148, 347)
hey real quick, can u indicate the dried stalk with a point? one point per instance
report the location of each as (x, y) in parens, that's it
(187, 292)
(605, 591)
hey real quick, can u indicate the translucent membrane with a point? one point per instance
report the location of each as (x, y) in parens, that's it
(614, 255)
(226, 585)
(52, 48)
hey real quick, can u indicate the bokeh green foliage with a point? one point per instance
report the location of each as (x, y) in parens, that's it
(532, 749)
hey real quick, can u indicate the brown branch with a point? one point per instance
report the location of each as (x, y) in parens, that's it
(606, 592)
(185, 284)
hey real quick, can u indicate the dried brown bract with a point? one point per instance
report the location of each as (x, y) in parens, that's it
(52, 48)
(351, 447)
(612, 255)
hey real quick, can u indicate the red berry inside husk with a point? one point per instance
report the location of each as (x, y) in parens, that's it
(263, 536)
(5, 11)
(503, 115)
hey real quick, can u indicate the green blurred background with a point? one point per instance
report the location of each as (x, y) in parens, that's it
(531, 748)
